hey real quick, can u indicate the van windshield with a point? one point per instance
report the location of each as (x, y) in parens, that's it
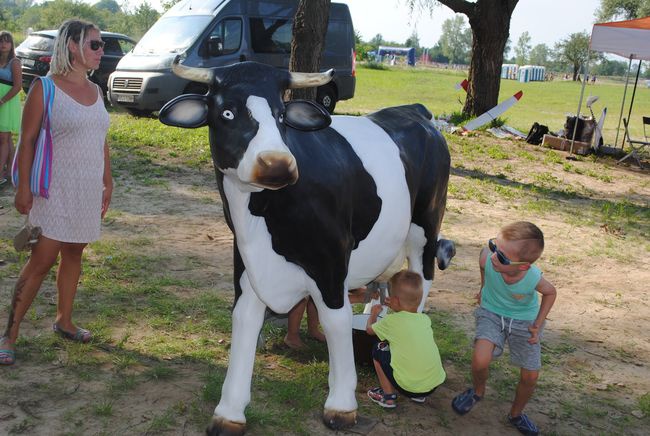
(172, 34)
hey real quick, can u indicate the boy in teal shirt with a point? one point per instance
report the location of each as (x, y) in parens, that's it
(409, 362)
(510, 311)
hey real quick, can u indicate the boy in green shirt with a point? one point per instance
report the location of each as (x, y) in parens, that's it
(409, 362)
(510, 312)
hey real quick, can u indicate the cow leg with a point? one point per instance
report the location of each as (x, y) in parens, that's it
(341, 405)
(247, 319)
(415, 242)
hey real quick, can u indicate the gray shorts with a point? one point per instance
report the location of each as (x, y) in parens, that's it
(498, 330)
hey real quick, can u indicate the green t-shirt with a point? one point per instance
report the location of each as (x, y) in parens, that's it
(414, 354)
(517, 300)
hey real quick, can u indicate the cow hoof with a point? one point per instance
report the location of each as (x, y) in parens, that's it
(222, 427)
(338, 420)
(446, 251)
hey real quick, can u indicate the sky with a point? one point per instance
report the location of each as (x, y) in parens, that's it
(547, 21)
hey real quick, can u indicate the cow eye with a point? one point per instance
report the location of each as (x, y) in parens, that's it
(228, 115)
(281, 118)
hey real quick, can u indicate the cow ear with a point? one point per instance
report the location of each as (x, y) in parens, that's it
(187, 110)
(306, 115)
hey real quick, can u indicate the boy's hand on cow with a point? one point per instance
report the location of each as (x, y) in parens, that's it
(534, 331)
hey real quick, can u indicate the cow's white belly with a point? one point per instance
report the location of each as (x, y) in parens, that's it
(380, 157)
(278, 283)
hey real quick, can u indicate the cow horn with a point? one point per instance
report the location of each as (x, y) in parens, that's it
(201, 75)
(308, 80)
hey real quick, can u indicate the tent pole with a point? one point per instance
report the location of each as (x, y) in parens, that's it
(582, 93)
(629, 113)
(620, 116)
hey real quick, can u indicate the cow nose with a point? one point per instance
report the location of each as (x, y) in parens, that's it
(275, 169)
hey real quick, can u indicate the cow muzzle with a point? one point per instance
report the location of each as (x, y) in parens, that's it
(275, 170)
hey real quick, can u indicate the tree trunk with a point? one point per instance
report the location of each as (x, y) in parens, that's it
(490, 23)
(309, 29)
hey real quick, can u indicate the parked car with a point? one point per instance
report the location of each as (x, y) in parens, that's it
(35, 53)
(215, 33)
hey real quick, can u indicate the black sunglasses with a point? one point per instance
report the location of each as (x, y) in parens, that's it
(492, 245)
(96, 44)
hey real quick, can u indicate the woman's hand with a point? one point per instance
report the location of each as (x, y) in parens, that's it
(106, 198)
(23, 200)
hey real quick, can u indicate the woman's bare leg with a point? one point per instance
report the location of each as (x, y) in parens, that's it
(67, 280)
(44, 255)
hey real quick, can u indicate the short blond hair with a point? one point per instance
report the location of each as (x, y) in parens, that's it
(530, 236)
(407, 286)
(74, 30)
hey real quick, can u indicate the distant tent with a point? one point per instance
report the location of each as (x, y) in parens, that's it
(409, 52)
(630, 39)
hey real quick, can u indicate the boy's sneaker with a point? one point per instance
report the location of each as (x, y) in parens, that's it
(464, 402)
(524, 425)
(418, 399)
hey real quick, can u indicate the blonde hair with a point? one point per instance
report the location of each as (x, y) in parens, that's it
(407, 286)
(74, 30)
(6, 36)
(530, 236)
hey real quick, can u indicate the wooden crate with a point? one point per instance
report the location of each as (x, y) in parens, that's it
(564, 144)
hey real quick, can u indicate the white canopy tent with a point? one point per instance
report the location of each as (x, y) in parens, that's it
(630, 39)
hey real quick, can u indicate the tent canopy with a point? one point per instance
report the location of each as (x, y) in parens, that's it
(630, 38)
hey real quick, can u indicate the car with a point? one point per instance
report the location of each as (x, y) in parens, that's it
(35, 54)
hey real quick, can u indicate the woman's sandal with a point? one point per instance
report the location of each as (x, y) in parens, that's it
(7, 357)
(81, 335)
(378, 396)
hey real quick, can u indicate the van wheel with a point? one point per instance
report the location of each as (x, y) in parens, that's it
(143, 113)
(326, 96)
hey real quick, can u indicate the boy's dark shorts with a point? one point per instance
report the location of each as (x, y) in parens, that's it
(381, 353)
(499, 329)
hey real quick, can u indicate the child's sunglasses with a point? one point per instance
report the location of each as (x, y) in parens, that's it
(503, 259)
(96, 44)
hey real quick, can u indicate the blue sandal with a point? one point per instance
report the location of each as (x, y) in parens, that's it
(464, 402)
(378, 396)
(524, 425)
(81, 335)
(7, 357)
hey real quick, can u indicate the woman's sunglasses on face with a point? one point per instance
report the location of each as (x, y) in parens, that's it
(503, 259)
(96, 44)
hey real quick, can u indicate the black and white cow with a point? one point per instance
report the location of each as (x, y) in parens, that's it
(317, 205)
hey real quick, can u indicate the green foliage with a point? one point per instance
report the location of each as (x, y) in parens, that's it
(522, 49)
(623, 9)
(644, 404)
(456, 40)
(573, 50)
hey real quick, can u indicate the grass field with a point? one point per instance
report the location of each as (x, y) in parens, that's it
(156, 290)
(547, 103)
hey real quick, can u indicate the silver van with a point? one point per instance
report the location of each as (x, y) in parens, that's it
(210, 33)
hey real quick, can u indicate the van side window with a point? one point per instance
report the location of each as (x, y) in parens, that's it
(271, 35)
(229, 31)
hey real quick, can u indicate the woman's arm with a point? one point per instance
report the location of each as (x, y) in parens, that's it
(17, 72)
(108, 180)
(31, 126)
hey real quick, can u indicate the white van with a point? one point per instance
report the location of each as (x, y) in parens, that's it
(211, 33)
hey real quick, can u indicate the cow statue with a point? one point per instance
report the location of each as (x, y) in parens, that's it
(318, 205)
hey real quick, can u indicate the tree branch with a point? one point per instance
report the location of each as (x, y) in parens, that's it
(460, 6)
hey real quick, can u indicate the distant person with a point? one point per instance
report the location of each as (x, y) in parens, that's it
(510, 312)
(81, 184)
(593, 79)
(11, 79)
(407, 360)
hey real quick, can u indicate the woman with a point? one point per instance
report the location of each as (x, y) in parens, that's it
(11, 77)
(81, 184)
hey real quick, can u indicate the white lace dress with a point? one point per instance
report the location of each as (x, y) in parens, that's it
(72, 213)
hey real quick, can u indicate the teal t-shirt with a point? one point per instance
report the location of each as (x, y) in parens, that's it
(518, 300)
(415, 358)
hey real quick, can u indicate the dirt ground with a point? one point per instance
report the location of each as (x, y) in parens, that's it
(601, 318)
